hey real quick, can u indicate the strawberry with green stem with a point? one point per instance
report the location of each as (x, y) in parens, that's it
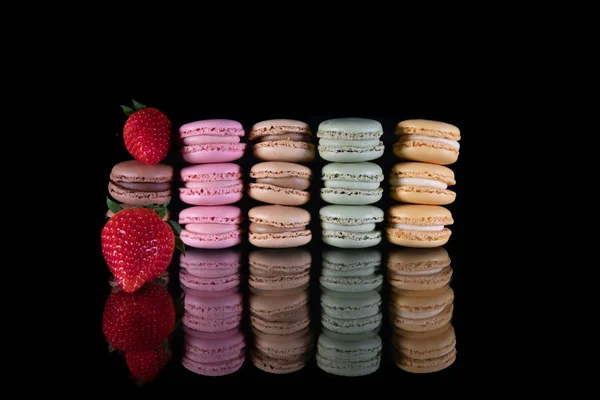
(147, 133)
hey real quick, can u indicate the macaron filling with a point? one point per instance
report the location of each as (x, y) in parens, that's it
(433, 228)
(291, 182)
(418, 315)
(144, 187)
(211, 229)
(417, 182)
(409, 138)
(420, 273)
(358, 142)
(294, 137)
(196, 140)
(368, 227)
(264, 228)
(213, 184)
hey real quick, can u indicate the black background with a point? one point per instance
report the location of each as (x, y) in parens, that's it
(249, 108)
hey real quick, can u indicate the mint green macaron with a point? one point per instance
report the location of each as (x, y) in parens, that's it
(350, 139)
(346, 305)
(350, 226)
(349, 357)
(352, 183)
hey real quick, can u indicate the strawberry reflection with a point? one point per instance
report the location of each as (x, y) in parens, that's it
(138, 325)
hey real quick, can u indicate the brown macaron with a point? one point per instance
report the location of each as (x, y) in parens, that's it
(427, 141)
(422, 183)
(419, 269)
(135, 183)
(424, 352)
(279, 269)
(278, 182)
(282, 140)
(421, 310)
(413, 225)
(279, 226)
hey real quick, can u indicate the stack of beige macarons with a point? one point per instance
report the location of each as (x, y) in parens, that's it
(281, 182)
(421, 183)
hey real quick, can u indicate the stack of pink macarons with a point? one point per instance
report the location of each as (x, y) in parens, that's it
(212, 183)
(213, 341)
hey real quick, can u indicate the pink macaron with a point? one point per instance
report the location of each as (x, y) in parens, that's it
(211, 227)
(208, 284)
(214, 350)
(212, 141)
(214, 369)
(211, 263)
(211, 184)
(222, 307)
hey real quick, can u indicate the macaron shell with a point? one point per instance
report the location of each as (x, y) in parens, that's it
(280, 240)
(214, 350)
(280, 327)
(351, 326)
(213, 153)
(211, 215)
(216, 241)
(211, 324)
(211, 196)
(349, 350)
(427, 127)
(277, 127)
(271, 194)
(426, 151)
(351, 240)
(349, 369)
(226, 306)
(425, 366)
(274, 365)
(422, 195)
(284, 150)
(425, 347)
(351, 154)
(352, 284)
(136, 197)
(418, 239)
(136, 171)
(422, 324)
(214, 369)
(209, 284)
(350, 128)
(350, 196)
(212, 127)
(420, 282)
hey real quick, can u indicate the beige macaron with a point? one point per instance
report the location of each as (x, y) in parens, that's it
(279, 226)
(414, 225)
(279, 182)
(422, 183)
(423, 352)
(282, 140)
(427, 141)
(421, 310)
(419, 269)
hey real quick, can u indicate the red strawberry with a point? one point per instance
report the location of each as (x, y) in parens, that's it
(146, 365)
(138, 321)
(147, 135)
(137, 246)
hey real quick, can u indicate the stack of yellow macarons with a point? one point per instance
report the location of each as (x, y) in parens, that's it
(421, 183)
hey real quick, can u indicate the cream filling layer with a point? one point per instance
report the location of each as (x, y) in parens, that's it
(419, 315)
(434, 228)
(417, 182)
(415, 273)
(452, 143)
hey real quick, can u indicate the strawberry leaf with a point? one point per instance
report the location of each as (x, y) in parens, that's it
(179, 245)
(161, 211)
(176, 227)
(137, 106)
(113, 205)
(111, 348)
(127, 110)
(166, 204)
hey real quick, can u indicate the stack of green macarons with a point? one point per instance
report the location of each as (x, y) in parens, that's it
(422, 182)
(351, 183)
(349, 343)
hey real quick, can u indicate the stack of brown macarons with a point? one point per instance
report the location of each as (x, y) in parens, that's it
(281, 182)
(421, 183)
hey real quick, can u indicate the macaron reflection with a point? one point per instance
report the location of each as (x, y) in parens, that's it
(419, 269)
(213, 305)
(423, 339)
(279, 269)
(280, 320)
(349, 344)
